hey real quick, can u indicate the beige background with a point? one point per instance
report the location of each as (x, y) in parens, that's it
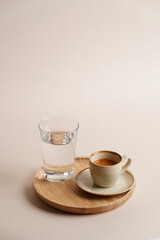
(96, 61)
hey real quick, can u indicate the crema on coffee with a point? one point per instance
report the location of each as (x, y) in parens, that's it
(105, 162)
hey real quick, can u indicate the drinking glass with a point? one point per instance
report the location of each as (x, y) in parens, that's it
(58, 137)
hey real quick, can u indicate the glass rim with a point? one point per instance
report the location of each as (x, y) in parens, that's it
(47, 118)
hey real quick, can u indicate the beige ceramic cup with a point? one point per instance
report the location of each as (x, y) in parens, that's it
(107, 176)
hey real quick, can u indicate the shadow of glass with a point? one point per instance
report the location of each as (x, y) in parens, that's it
(36, 201)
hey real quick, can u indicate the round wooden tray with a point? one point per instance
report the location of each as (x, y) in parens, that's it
(67, 196)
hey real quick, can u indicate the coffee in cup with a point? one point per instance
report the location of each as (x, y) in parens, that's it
(105, 162)
(106, 167)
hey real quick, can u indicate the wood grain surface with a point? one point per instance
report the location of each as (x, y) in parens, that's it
(67, 196)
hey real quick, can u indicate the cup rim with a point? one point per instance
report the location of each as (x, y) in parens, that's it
(103, 151)
(47, 118)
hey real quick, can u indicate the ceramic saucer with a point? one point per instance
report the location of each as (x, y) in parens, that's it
(125, 182)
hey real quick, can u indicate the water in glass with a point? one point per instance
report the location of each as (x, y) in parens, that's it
(58, 149)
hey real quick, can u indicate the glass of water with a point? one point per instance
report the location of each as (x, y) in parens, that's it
(58, 137)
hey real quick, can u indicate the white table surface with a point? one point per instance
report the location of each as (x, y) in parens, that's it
(96, 61)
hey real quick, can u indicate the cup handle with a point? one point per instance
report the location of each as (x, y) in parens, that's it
(126, 159)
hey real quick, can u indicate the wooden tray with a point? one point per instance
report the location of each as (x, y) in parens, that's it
(67, 196)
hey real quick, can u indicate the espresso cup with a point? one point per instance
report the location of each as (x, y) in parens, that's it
(107, 166)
